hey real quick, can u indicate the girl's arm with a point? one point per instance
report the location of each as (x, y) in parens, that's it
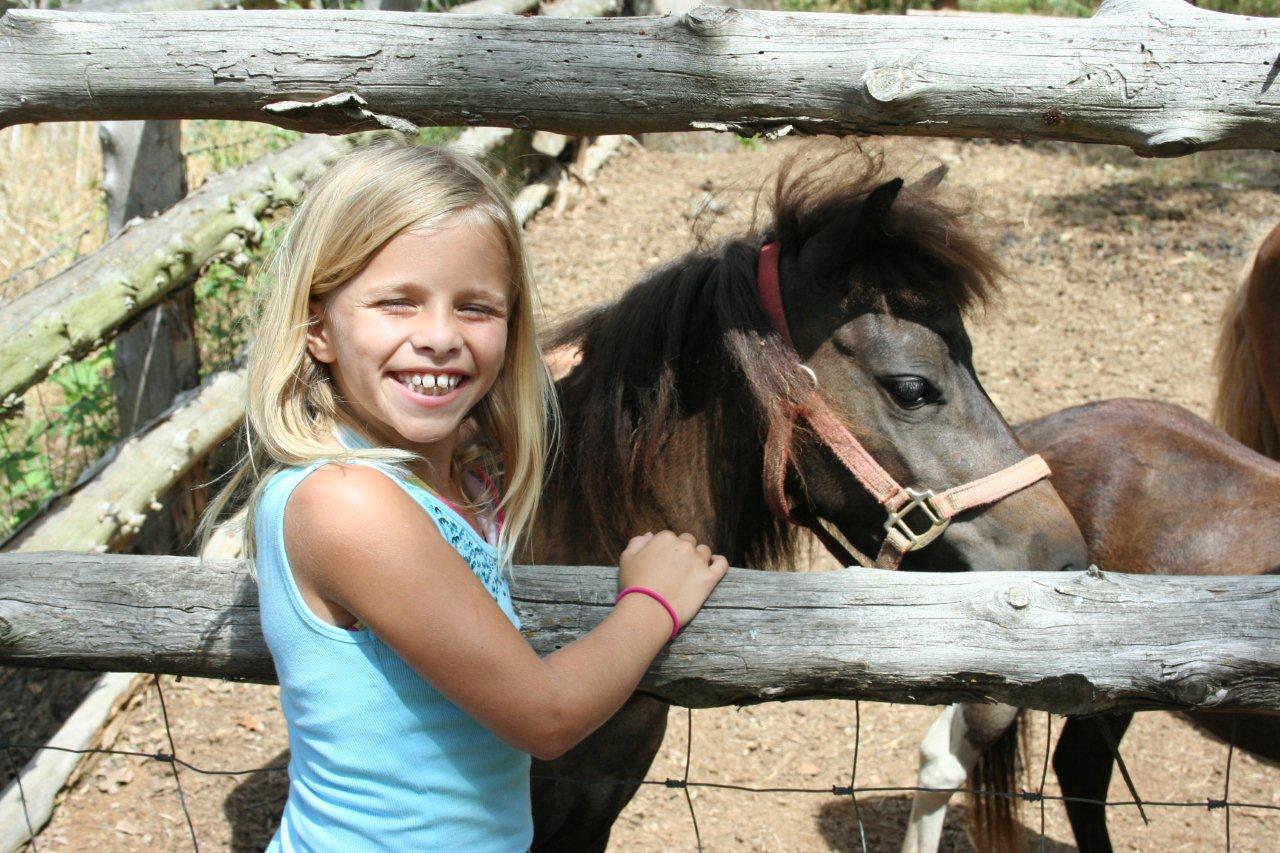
(356, 541)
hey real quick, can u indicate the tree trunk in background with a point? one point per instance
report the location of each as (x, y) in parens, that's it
(156, 358)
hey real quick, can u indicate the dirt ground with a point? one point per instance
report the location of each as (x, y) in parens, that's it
(1118, 270)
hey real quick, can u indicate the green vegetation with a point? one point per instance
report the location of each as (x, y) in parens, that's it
(45, 450)
(1059, 8)
(224, 296)
(1264, 8)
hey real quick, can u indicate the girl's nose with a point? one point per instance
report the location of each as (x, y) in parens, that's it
(435, 331)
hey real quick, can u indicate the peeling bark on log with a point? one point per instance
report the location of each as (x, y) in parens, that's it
(1070, 643)
(77, 310)
(1160, 76)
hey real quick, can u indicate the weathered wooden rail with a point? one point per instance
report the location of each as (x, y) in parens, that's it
(1160, 76)
(1068, 643)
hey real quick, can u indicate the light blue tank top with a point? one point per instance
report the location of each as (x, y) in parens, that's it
(380, 760)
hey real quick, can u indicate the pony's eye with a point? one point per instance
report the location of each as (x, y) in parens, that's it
(910, 392)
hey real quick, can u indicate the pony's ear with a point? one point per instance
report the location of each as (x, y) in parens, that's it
(930, 181)
(842, 240)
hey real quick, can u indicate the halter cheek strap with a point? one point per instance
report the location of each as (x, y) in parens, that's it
(904, 506)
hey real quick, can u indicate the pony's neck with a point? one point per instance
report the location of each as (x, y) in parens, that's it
(682, 497)
(659, 425)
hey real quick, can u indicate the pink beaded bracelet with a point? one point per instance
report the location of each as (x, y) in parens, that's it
(671, 611)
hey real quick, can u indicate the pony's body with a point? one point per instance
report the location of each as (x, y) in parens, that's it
(666, 418)
(1157, 490)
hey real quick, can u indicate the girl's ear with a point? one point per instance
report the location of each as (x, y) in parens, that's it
(318, 343)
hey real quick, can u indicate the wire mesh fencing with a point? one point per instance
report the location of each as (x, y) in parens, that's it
(683, 782)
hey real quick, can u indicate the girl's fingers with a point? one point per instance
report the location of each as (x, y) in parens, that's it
(719, 565)
(690, 538)
(704, 552)
(637, 542)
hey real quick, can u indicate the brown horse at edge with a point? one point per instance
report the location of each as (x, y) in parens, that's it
(1155, 490)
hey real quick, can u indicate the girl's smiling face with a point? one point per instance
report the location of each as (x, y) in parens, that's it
(417, 338)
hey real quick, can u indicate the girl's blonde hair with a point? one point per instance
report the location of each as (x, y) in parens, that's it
(292, 410)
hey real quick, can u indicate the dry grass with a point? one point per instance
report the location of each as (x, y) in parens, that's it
(51, 205)
(51, 209)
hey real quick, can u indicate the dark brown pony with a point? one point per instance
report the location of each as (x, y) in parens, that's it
(1155, 490)
(665, 419)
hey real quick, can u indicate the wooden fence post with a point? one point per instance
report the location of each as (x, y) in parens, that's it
(143, 173)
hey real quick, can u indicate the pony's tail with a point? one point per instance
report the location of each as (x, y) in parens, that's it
(993, 820)
(1247, 361)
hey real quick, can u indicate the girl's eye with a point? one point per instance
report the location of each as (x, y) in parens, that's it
(478, 310)
(910, 392)
(395, 304)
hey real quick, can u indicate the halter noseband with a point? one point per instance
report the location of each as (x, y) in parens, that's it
(899, 502)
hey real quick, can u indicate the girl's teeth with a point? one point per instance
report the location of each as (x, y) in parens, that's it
(432, 384)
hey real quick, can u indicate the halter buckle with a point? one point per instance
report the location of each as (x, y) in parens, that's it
(918, 499)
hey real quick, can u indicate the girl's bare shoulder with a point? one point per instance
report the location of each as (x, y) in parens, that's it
(345, 513)
(341, 490)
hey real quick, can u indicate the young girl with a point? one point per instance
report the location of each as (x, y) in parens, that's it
(398, 415)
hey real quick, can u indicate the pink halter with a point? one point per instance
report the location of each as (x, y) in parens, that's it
(899, 502)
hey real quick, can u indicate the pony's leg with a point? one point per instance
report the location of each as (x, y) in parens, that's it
(1083, 762)
(945, 761)
(948, 754)
(574, 800)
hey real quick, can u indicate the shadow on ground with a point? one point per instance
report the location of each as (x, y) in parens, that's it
(253, 808)
(885, 817)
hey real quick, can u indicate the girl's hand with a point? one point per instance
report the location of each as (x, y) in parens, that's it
(676, 567)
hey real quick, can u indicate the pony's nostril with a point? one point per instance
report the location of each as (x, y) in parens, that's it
(1071, 560)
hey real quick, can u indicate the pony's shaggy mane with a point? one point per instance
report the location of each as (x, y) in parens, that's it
(691, 339)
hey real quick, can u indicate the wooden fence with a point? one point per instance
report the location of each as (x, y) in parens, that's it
(1070, 643)
(1160, 76)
